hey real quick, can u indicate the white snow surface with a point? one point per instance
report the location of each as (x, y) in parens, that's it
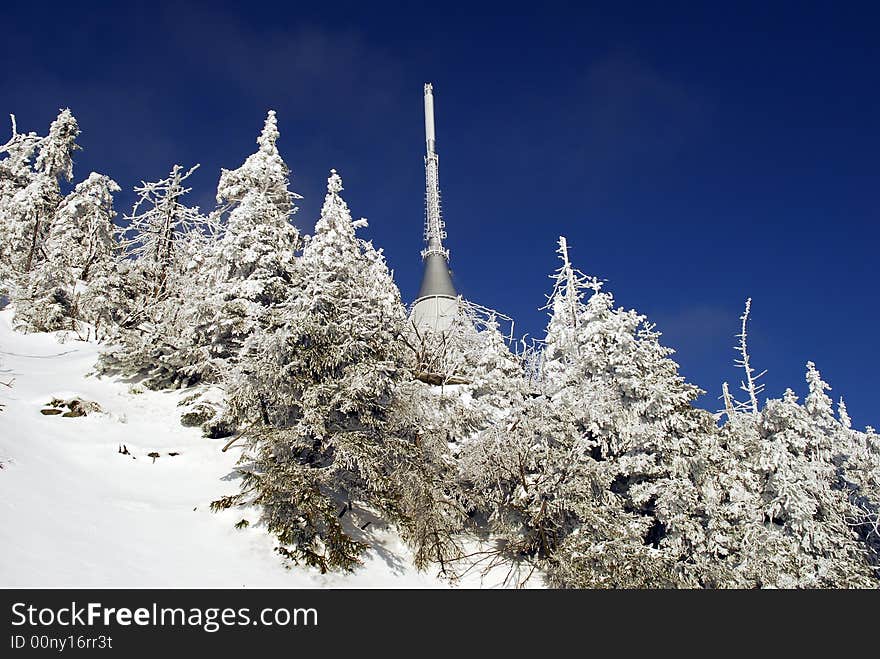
(74, 512)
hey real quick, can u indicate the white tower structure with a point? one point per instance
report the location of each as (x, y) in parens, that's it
(437, 303)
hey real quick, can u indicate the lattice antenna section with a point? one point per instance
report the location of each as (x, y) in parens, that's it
(435, 228)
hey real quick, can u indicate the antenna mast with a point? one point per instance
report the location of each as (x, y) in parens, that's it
(435, 229)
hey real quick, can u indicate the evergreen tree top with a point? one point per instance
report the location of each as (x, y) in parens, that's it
(269, 135)
(334, 183)
(56, 149)
(335, 214)
(817, 401)
(260, 185)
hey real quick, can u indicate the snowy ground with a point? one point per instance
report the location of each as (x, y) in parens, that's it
(76, 512)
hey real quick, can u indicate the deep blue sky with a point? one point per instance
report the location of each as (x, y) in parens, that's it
(693, 155)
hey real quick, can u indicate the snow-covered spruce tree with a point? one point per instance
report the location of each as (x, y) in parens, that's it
(497, 380)
(83, 235)
(566, 308)
(633, 409)
(81, 250)
(330, 414)
(856, 455)
(43, 293)
(167, 241)
(630, 426)
(781, 509)
(788, 523)
(249, 270)
(160, 226)
(45, 300)
(16, 167)
(16, 173)
(549, 501)
(32, 208)
(843, 414)
(27, 206)
(817, 402)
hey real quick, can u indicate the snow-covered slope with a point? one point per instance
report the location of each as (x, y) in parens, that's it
(74, 511)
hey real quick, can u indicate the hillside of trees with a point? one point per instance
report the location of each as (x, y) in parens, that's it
(582, 458)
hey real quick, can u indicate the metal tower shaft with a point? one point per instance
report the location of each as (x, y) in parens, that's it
(435, 229)
(436, 304)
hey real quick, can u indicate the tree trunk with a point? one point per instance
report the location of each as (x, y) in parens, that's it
(30, 258)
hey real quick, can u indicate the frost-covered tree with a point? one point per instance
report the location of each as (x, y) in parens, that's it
(81, 246)
(83, 234)
(53, 247)
(497, 372)
(196, 331)
(789, 523)
(619, 460)
(566, 308)
(633, 407)
(26, 216)
(843, 415)
(856, 456)
(548, 500)
(16, 167)
(328, 410)
(42, 289)
(817, 402)
(250, 269)
(45, 300)
(55, 157)
(16, 173)
(54, 162)
(788, 493)
(161, 228)
(165, 245)
(87, 242)
(750, 384)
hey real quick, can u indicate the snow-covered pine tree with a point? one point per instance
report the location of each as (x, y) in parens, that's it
(55, 157)
(856, 455)
(27, 214)
(43, 296)
(81, 246)
(54, 161)
(45, 300)
(331, 432)
(565, 304)
(160, 225)
(16, 173)
(167, 241)
(843, 415)
(498, 377)
(249, 270)
(817, 402)
(83, 233)
(16, 167)
(635, 410)
(549, 501)
(630, 427)
(783, 497)
(797, 528)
